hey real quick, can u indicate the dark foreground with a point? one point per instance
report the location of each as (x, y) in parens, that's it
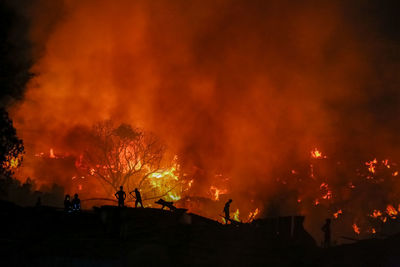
(109, 236)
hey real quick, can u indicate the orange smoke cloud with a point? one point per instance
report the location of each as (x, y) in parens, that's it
(234, 86)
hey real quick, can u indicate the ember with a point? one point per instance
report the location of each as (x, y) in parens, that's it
(391, 211)
(316, 154)
(356, 229)
(336, 214)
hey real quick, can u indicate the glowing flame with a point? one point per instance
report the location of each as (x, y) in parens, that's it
(252, 215)
(167, 184)
(391, 211)
(173, 196)
(386, 163)
(356, 229)
(11, 163)
(376, 214)
(166, 181)
(236, 216)
(169, 172)
(336, 214)
(371, 165)
(316, 154)
(327, 193)
(51, 154)
(215, 192)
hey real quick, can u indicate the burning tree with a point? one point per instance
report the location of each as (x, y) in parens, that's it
(11, 147)
(122, 155)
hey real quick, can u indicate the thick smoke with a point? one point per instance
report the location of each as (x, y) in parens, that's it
(242, 88)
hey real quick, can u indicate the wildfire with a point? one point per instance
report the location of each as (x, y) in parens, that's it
(391, 211)
(252, 215)
(386, 163)
(11, 163)
(161, 174)
(376, 214)
(166, 181)
(316, 154)
(51, 154)
(356, 229)
(236, 216)
(169, 183)
(327, 192)
(173, 196)
(215, 192)
(371, 165)
(220, 125)
(336, 214)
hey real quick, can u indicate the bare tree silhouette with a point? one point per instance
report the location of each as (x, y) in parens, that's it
(122, 155)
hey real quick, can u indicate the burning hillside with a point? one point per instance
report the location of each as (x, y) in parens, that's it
(277, 105)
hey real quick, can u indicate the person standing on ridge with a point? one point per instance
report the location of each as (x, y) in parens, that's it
(76, 204)
(138, 198)
(67, 204)
(226, 210)
(121, 196)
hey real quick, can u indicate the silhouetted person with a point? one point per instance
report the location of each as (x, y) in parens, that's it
(138, 198)
(76, 203)
(226, 210)
(327, 233)
(120, 195)
(67, 204)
